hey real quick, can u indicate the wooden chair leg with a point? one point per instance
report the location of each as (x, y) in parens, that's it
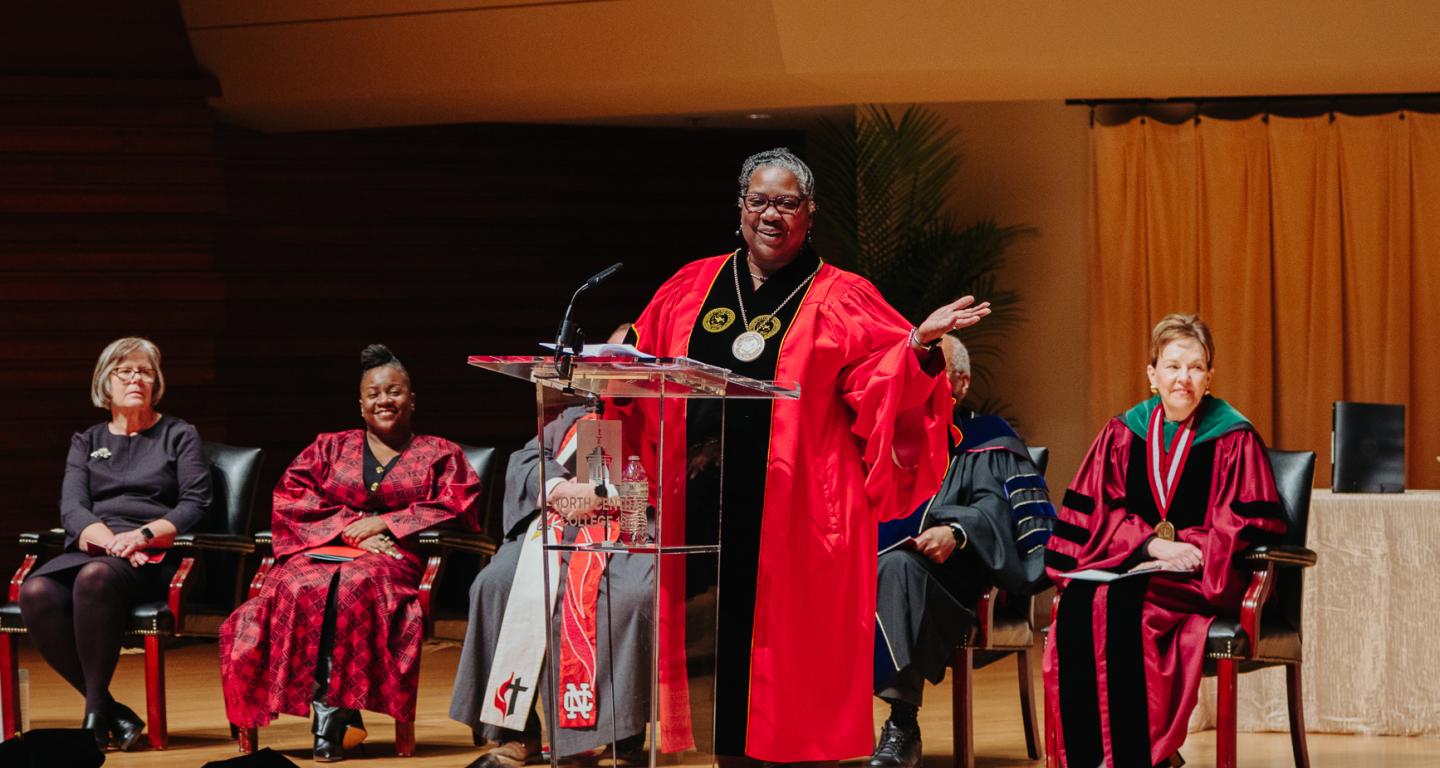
(1027, 706)
(1296, 697)
(1226, 675)
(962, 712)
(9, 687)
(404, 738)
(155, 691)
(249, 739)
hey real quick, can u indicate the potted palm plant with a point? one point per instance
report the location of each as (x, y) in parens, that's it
(886, 182)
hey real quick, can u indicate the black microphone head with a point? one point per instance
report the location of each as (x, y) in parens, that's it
(604, 274)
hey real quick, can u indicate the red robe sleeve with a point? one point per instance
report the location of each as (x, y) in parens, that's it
(653, 331)
(1093, 529)
(303, 515)
(452, 496)
(902, 407)
(1244, 512)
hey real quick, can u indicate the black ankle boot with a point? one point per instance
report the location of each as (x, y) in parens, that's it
(99, 725)
(336, 729)
(125, 726)
(899, 747)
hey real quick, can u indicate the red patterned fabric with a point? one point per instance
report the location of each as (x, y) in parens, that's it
(578, 626)
(270, 644)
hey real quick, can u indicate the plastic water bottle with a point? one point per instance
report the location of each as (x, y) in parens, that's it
(634, 499)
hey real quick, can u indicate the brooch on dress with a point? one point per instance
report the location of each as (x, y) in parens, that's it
(103, 453)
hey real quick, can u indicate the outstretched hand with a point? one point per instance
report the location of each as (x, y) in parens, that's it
(961, 313)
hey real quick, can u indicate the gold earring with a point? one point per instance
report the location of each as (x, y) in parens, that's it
(1154, 390)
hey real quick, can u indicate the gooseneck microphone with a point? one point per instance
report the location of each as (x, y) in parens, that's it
(565, 337)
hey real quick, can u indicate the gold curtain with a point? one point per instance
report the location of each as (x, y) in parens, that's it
(1312, 248)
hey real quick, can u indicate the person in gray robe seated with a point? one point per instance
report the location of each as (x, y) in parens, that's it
(501, 641)
(986, 527)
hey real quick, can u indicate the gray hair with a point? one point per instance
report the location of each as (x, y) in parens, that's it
(957, 357)
(779, 157)
(110, 358)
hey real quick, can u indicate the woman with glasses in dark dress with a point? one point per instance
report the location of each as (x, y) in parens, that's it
(132, 483)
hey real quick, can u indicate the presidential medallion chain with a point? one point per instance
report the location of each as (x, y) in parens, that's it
(750, 344)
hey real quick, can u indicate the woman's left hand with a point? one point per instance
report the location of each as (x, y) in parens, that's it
(961, 313)
(126, 544)
(363, 529)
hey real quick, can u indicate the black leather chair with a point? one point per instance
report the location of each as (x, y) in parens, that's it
(1003, 625)
(1267, 631)
(438, 546)
(222, 539)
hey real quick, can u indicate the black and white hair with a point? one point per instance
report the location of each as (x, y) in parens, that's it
(377, 355)
(780, 157)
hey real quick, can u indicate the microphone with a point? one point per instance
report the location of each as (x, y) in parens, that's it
(565, 336)
(601, 276)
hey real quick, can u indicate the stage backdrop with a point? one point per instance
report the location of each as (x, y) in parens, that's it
(1310, 245)
(261, 264)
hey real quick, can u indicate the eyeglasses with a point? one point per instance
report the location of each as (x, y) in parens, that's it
(131, 374)
(757, 203)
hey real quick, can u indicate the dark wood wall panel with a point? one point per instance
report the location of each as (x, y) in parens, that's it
(444, 242)
(110, 195)
(261, 264)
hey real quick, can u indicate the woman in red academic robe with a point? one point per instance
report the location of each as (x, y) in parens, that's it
(339, 637)
(1176, 487)
(805, 481)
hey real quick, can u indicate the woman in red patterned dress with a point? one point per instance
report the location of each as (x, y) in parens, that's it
(338, 637)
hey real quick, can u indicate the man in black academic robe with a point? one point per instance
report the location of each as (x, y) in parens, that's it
(986, 527)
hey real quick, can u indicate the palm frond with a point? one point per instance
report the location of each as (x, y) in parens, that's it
(884, 182)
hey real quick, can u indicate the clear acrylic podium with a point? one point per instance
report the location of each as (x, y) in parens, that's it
(665, 678)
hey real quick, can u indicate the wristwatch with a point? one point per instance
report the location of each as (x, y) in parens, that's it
(961, 538)
(147, 533)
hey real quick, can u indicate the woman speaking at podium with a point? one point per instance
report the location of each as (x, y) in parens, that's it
(805, 481)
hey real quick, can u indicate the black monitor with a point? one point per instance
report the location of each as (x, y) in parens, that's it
(1367, 448)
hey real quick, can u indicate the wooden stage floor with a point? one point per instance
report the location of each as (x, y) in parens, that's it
(198, 731)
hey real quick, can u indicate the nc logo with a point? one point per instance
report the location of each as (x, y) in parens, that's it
(579, 701)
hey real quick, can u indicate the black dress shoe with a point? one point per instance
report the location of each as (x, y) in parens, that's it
(898, 747)
(125, 726)
(631, 751)
(99, 725)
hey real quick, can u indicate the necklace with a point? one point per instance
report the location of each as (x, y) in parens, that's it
(750, 344)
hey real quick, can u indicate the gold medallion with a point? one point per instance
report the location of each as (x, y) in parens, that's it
(718, 319)
(1165, 530)
(765, 325)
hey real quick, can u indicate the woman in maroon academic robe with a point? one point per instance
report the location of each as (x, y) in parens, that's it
(338, 637)
(1172, 489)
(804, 482)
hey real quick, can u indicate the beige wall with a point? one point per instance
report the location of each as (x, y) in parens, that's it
(1028, 163)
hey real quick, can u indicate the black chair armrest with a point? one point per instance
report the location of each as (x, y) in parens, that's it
(1280, 554)
(54, 537)
(215, 542)
(462, 541)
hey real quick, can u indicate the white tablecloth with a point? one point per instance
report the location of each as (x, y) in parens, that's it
(1371, 626)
